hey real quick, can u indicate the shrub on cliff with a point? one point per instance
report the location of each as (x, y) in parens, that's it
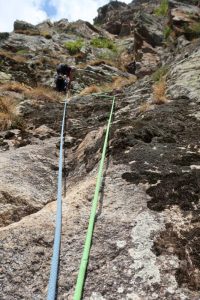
(103, 43)
(74, 47)
(162, 9)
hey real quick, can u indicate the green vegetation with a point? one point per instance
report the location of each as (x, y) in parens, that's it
(195, 28)
(166, 32)
(192, 31)
(22, 52)
(111, 58)
(162, 10)
(160, 73)
(18, 123)
(74, 47)
(103, 43)
(108, 55)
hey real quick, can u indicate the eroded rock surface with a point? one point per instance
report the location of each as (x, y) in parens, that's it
(146, 236)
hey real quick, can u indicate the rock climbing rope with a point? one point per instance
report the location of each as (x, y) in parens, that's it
(57, 238)
(86, 251)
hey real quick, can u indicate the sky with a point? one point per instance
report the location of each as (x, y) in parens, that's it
(36, 11)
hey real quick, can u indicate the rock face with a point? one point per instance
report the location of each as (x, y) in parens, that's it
(26, 186)
(146, 235)
(185, 18)
(26, 28)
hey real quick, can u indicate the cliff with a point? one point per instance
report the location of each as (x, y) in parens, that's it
(146, 238)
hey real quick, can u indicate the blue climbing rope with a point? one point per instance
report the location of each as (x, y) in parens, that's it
(57, 238)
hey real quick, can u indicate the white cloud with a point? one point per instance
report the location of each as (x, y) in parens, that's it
(27, 10)
(78, 9)
(32, 11)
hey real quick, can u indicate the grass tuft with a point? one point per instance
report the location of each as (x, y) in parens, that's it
(162, 10)
(15, 87)
(117, 84)
(121, 82)
(22, 52)
(144, 107)
(8, 117)
(74, 47)
(12, 56)
(159, 90)
(42, 93)
(103, 43)
(166, 32)
(90, 90)
(160, 73)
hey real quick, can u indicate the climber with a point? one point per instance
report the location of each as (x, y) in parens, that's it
(63, 78)
(131, 67)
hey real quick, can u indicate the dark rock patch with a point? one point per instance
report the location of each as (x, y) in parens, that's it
(187, 248)
(175, 189)
(17, 208)
(188, 159)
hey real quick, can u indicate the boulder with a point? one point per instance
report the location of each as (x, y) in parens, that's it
(108, 11)
(148, 29)
(25, 28)
(19, 196)
(83, 29)
(62, 24)
(43, 132)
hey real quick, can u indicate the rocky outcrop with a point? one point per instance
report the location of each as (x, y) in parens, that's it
(149, 30)
(29, 181)
(99, 75)
(185, 18)
(25, 28)
(116, 17)
(119, 18)
(83, 29)
(106, 12)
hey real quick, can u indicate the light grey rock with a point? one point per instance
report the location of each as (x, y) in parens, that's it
(29, 181)
(4, 77)
(43, 132)
(185, 77)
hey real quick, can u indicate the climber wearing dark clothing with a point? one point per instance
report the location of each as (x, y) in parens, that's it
(63, 78)
(131, 67)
